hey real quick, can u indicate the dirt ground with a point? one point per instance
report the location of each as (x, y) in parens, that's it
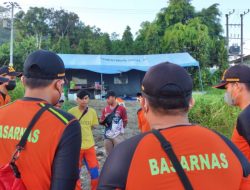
(130, 130)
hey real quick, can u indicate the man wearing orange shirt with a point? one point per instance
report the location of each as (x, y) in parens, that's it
(193, 158)
(143, 124)
(236, 81)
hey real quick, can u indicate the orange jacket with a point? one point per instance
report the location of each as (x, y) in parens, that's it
(141, 163)
(241, 137)
(40, 162)
(5, 100)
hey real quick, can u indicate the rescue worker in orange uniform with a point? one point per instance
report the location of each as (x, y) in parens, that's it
(208, 160)
(50, 157)
(236, 81)
(9, 73)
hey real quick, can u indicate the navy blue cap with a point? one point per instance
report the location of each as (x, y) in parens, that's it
(161, 76)
(9, 70)
(3, 80)
(43, 64)
(238, 73)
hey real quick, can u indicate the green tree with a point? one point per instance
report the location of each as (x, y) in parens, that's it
(141, 39)
(179, 28)
(4, 54)
(33, 23)
(83, 47)
(63, 23)
(127, 41)
(62, 45)
(211, 18)
(191, 37)
(100, 43)
(149, 41)
(177, 11)
(21, 51)
(116, 44)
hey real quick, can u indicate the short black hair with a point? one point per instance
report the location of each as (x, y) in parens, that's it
(138, 94)
(33, 83)
(247, 86)
(110, 93)
(175, 102)
(82, 93)
(37, 83)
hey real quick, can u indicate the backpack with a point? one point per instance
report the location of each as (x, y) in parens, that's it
(10, 177)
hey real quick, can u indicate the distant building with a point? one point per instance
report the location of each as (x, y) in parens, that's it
(246, 60)
(121, 73)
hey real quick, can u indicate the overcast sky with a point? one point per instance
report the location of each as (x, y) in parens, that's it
(114, 15)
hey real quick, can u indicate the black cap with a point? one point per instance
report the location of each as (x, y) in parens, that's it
(161, 76)
(110, 93)
(3, 80)
(237, 73)
(9, 70)
(82, 93)
(44, 64)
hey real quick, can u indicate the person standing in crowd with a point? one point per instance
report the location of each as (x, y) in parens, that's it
(114, 118)
(120, 102)
(236, 81)
(176, 153)
(50, 157)
(88, 119)
(9, 73)
(143, 124)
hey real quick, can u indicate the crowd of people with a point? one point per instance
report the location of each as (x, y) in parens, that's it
(44, 147)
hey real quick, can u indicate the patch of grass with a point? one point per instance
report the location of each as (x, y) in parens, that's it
(68, 104)
(211, 111)
(18, 92)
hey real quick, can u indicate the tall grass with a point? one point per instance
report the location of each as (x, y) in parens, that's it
(211, 111)
(18, 92)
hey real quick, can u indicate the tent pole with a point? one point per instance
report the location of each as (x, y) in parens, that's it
(200, 79)
(101, 86)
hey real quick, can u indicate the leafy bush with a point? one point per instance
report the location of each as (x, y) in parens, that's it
(208, 78)
(211, 111)
(18, 92)
(68, 104)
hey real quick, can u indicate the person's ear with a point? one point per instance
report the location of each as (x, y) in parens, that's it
(191, 103)
(239, 86)
(144, 104)
(23, 80)
(59, 84)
